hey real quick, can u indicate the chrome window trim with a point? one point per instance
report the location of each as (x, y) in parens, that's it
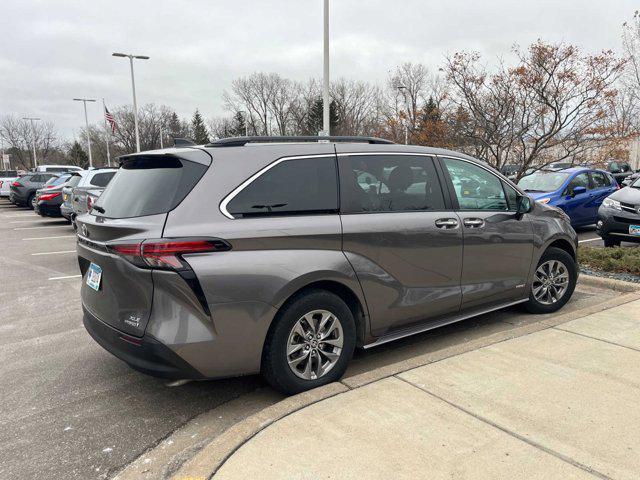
(230, 196)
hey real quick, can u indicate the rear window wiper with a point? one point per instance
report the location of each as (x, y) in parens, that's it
(98, 208)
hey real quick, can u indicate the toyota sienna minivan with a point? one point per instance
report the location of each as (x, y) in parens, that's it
(282, 255)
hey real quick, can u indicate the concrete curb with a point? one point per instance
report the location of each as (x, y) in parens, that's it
(208, 461)
(610, 283)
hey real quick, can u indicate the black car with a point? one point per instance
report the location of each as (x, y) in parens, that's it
(619, 216)
(619, 170)
(49, 197)
(23, 190)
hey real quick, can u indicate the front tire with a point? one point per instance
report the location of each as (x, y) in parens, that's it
(553, 282)
(610, 242)
(310, 342)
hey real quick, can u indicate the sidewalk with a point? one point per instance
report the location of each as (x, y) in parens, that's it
(557, 403)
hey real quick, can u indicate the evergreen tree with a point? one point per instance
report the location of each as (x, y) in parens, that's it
(198, 129)
(314, 117)
(238, 128)
(77, 155)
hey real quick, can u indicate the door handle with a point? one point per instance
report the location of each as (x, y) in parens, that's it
(447, 223)
(473, 222)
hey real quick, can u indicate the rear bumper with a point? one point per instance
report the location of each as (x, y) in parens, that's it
(146, 354)
(46, 208)
(66, 211)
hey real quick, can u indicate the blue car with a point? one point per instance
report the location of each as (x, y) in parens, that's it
(578, 191)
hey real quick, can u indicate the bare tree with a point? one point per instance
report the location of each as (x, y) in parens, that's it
(357, 107)
(19, 136)
(554, 105)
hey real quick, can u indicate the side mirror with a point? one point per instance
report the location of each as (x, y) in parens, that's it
(578, 191)
(523, 205)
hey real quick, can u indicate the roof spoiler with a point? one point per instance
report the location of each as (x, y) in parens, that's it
(183, 142)
(241, 141)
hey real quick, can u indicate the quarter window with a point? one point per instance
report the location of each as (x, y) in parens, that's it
(292, 187)
(389, 183)
(475, 187)
(101, 179)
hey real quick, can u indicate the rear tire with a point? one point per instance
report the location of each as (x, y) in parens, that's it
(554, 282)
(610, 242)
(295, 358)
(31, 202)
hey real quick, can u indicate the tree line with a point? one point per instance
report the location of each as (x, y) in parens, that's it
(553, 102)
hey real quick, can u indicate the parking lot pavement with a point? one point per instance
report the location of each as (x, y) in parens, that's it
(588, 237)
(72, 410)
(558, 403)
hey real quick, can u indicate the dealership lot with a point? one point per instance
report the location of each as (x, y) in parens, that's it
(72, 410)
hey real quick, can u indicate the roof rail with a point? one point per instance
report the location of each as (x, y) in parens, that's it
(241, 141)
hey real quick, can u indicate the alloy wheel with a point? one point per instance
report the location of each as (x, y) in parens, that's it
(315, 344)
(551, 282)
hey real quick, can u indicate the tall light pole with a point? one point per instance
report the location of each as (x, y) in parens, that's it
(133, 87)
(86, 123)
(403, 89)
(326, 115)
(244, 120)
(33, 137)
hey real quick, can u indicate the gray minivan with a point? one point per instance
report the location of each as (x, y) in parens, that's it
(282, 255)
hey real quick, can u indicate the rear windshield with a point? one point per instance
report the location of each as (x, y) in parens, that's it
(55, 181)
(8, 173)
(149, 186)
(74, 180)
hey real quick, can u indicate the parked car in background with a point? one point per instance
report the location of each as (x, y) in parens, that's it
(49, 197)
(89, 188)
(57, 168)
(557, 166)
(234, 259)
(23, 189)
(510, 171)
(619, 216)
(630, 179)
(66, 209)
(619, 170)
(7, 177)
(578, 191)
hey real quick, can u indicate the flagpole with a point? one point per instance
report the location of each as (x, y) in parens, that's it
(106, 128)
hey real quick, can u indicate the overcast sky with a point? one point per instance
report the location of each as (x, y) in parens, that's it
(54, 50)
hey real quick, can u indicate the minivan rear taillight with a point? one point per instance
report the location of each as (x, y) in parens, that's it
(166, 254)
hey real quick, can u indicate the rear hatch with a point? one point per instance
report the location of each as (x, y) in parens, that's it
(127, 220)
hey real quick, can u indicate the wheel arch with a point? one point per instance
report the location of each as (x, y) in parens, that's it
(346, 293)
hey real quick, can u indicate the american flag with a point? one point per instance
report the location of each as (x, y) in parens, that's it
(110, 119)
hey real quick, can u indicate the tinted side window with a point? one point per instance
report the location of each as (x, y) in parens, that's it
(101, 179)
(599, 180)
(581, 180)
(290, 187)
(512, 196)
(475, 187)
(390, 183)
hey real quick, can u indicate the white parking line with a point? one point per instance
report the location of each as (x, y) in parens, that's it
(54, 253)
(589, 240)
(42, 226)
(26, 221)
(65, 277)
(47, 238)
